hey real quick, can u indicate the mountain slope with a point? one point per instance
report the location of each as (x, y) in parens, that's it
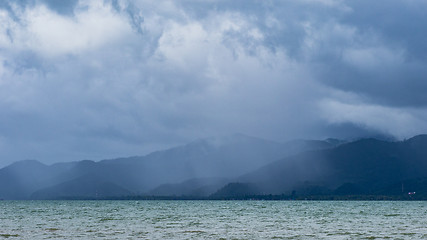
(20, 179)
(88, 186)
(218, 157)
(367, 166)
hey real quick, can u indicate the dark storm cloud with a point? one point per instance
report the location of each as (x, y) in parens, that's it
(99, 79)
(400, 22)
(385, 59)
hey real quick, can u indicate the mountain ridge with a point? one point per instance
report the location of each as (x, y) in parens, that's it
(367, 165)
(207, 167)
(215, 157)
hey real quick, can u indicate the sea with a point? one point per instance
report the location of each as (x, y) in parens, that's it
(213, 220)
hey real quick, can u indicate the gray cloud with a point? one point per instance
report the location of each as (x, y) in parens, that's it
(91, 79)
(386, 57)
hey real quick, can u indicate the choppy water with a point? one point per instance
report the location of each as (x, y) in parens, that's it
(212, 220)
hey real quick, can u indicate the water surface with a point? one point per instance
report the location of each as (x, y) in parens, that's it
(213, 220)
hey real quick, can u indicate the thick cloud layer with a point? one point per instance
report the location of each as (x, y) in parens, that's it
(100, 79)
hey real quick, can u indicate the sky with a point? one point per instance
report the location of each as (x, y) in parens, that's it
(83, 79)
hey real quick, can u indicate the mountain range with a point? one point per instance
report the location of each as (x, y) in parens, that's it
(232, 166)
(204, 163)
(363, 167)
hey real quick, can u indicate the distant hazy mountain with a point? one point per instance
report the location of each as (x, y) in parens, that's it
(217, 157)
(366, 166)
(199, 187)
(21, 178)
(88, 186)
(235, 159)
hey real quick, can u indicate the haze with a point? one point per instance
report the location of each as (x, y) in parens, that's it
(104, 79)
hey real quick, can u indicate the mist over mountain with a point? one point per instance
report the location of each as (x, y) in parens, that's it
(198, 167)
(87, 186)
(366, 166)
(232, 166)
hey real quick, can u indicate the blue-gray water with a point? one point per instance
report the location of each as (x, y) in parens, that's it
(212, 220)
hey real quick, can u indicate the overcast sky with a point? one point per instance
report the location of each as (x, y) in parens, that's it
(85, 79)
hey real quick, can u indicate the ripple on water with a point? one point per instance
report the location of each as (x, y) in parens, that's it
(212, 220)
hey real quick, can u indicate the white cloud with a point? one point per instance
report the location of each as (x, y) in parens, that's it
(401, 123)
(46, 32)
(184, 46)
